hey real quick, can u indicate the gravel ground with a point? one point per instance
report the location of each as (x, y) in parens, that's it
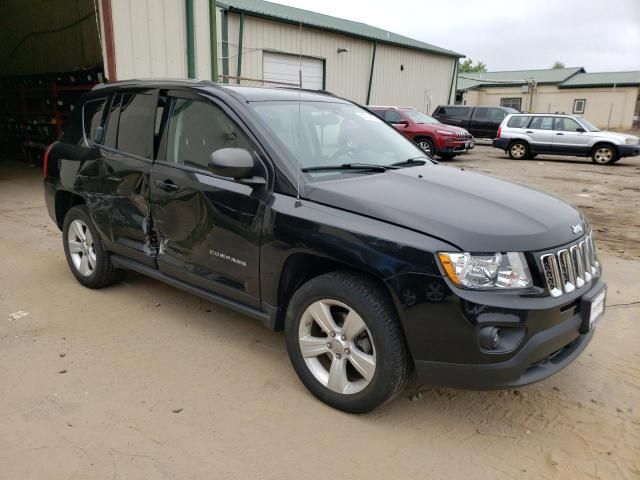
(143, 381)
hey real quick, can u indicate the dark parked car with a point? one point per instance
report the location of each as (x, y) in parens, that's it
(482, 122)
(314, 216)
(432, 136)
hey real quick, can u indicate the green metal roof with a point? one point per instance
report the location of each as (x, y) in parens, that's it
(467, 81)
(602, 79)
(285, 13)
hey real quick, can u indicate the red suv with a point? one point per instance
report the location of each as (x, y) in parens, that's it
(433, 137)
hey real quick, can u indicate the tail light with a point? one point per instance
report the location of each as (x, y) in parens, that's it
(499, 130)
(46, 160)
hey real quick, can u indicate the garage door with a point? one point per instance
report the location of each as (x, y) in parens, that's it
(281, 67)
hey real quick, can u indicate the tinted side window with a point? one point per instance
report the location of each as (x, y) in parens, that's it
(92, 117)
(518, 122)
(393, 116)
(197, 129)
(460, 112)
(541, 123)
(497, 115)
(481, 113)
(137, 118)
(566, 124)
(111, 128)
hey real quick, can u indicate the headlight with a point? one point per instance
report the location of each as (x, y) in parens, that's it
(444, 132)
(499, 270)
(631, 141)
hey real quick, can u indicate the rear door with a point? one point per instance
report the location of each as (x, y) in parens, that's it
(208, 227)
(567, 139)
(120, 201)
(540, 131)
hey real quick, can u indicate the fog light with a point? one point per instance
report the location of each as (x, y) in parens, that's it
(489, 337)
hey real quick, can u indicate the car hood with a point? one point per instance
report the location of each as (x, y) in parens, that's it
(441, 126)
(473, 212)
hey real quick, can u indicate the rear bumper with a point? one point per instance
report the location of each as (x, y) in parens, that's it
(628, 150)
(49, 199)
(501, 143)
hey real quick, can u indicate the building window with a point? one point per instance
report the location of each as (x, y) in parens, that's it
(515, 103)
(579, 105)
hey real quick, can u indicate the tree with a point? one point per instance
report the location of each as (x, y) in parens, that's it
(558, 64)
(468, 67)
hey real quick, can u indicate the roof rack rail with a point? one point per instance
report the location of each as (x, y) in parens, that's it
(309, 90)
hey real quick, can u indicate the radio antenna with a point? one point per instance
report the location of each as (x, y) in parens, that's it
(298, 202)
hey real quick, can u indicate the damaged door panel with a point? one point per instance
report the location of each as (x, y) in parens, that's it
(208, 227)
(120, 203)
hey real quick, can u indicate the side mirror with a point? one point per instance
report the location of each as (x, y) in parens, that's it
(580, 129)
(236, 163)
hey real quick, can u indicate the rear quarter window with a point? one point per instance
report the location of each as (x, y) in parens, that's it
(92, 117)
(518, 122)
(459, 112)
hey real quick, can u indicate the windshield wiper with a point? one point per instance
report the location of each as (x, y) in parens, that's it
(411, 162)
(351, 166)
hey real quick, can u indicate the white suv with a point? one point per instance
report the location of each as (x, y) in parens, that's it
(525, 135)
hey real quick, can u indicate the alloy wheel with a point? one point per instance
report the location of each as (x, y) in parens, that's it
(603, 155)
(426, 146)
(81, 248)
(337, 346)
(518, 150)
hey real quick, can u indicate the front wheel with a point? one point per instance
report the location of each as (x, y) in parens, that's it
(427, 145)
(345, 342)
(604, 155)
(447, 156)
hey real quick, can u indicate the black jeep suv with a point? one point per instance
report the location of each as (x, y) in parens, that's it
(311, 214)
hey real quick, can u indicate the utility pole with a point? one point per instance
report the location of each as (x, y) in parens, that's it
(613, 94)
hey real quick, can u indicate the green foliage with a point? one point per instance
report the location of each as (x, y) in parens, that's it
(558, 65)
(467, 66)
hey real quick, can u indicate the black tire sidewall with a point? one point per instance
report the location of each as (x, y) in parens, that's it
(80, 212)
(383, 386)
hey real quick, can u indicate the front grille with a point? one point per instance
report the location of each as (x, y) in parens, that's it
(463, 136)
(570, 268)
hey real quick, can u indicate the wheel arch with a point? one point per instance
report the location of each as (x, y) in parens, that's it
(300, 267)
(604, 143)
(64, 201)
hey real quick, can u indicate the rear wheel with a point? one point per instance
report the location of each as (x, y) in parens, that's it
(86, 256)
(426, 145)
(518, 150)
(604, 154)
(345, 342)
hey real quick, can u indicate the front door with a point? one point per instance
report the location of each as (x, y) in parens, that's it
(540, 132)
(208, 227)
(567, 139)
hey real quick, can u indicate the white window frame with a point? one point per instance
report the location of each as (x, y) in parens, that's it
(584, 105)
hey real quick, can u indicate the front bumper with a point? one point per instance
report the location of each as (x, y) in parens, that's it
(456, 147)
(501, 143)
(628, 150)
(443, 326)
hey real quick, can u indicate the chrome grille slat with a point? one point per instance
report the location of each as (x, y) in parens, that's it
(570, 268)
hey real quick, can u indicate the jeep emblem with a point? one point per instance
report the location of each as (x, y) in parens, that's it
(576, 229)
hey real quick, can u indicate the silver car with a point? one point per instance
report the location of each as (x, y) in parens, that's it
(526, 135)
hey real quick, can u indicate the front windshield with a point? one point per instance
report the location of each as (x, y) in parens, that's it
(588, 125)
(420, 117)
(322, 134)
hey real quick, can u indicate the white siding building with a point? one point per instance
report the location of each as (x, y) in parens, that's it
(259, 42)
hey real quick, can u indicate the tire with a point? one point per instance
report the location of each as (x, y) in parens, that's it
(83, 248)
(447, 156)
(426, 144)
(518, 150)
(604, 154)
(532, 156)
(342, 301)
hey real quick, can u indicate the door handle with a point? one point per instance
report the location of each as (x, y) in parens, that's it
(529, 131)
(167, 185)
(559, 133)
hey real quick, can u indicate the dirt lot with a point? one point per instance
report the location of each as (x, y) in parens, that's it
(90, 380)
